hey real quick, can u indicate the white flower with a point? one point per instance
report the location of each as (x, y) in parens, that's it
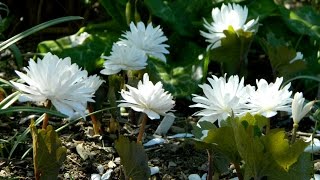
(221, 98)
(230, 15)
(269, 98)
(298, 110)
(148, 98)
(77, 40)
(299, 56)
(148, 39)
(57, 80)
(94, 82)
(124, 58)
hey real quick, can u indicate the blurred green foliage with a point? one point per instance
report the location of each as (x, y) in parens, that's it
(188, 62)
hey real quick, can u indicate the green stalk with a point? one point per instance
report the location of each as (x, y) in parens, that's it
(294, 132)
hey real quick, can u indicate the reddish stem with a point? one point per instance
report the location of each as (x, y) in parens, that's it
(141, 131)
(238, 170)
(96, 124)
(46, 116)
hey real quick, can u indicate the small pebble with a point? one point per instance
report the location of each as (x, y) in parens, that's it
(172, 164)
(111, 164)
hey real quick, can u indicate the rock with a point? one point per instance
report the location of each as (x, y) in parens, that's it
(95, 177)
(172, 164)
(100, 169)
(154, 170)
(165, 124)
(84, 153)
(111, 164)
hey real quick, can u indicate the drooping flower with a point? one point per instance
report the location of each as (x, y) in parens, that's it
(270, 98)
(124, 57)
(221, 98)
(298, 110)
(148, 98)
(299, 56)
(229, 15)
(148, 39)
(57, 80)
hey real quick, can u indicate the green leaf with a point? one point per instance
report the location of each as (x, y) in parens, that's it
(16, 38)
(176, 19)
(179, 81)
(133, 158)
(116, 9)
(257, 162)
(204, 125)
(266, 155)
(237, 44)
(285, 154)
(280, 56)
(9, 100)
(220, 161)
(88, 54)
(17, 54)
(31, 109)
(302, 169)
(23, 136)
(304, 20)
(48, 152)
(5, 23)
(256, 120)
(224, 139)
(262, 9)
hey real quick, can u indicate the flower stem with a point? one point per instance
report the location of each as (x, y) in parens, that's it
(268, 127)
(294, 132)
(46, 116)
(141, 131)
(96, 124)
(238, 170)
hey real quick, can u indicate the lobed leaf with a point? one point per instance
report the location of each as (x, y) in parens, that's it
(133, 158)
(48, 152)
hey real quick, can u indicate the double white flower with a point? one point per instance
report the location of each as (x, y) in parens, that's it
(124, 57)
(131, 52)
(223, 98)
(229, 15)
(148, 39)
(67, 86)
(148, 98)
(269, 98)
